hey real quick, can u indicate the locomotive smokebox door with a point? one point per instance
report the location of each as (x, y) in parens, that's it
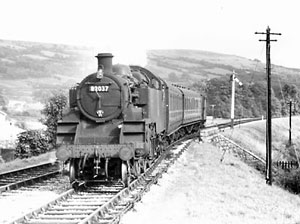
(102, 99)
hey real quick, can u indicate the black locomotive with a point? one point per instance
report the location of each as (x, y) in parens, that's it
(119, 120)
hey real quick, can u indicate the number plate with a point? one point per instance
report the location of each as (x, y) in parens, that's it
(98, 88)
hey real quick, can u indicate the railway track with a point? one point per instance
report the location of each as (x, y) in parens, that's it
(18, 202)
(98, 202)
(28, 176)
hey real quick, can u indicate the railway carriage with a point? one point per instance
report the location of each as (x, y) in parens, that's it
(175, 108)
(194, 107)
(119, 120)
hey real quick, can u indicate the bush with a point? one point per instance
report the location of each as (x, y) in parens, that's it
(52, 113)
(290, 180)
(32, 143)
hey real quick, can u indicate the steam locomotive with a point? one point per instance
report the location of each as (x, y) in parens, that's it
(119, 120)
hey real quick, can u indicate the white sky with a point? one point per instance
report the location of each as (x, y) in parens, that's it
(129, 27)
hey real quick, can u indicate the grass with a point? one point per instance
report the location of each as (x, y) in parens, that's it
(21, 163)
(201, 189)
(253, 137)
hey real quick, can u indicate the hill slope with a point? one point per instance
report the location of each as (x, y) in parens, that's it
(188, 66)
(29, 70)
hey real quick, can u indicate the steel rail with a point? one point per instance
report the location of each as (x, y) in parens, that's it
(27, 176)
(44, 207)
(31, 180)
(27, 168)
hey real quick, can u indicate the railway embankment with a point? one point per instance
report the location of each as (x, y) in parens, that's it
(253, 137)
(285, 147)
(200, 188)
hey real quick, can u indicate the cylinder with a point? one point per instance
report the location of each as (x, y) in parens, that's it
(105, 62)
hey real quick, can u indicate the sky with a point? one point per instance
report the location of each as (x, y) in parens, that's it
(128, 28)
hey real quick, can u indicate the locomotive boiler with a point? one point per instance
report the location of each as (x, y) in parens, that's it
(119, 120)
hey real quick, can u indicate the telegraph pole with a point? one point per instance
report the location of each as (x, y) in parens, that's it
(269, 112)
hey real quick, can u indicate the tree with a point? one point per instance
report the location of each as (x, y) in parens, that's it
(218, 94)
(53, 112)
(31, 143)
(290, 92)
(276, 106)
(199, 87)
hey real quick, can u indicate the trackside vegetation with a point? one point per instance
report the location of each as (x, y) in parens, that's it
(34, 142)
(252, 137)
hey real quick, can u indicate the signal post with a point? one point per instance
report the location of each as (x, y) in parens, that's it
(233, 79)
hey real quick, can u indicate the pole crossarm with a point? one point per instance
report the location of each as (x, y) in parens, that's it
(267, 32)
(266, 40)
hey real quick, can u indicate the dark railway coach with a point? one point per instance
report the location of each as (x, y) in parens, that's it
(120, 119)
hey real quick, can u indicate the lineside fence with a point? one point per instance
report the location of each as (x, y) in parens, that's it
(285, 173)
(229, 146)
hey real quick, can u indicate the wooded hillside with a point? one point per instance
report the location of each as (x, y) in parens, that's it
(210, 73)
(30, 71)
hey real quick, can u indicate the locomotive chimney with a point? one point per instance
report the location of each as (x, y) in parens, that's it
(105, 62)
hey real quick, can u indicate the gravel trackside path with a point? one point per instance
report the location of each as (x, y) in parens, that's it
(200, 189)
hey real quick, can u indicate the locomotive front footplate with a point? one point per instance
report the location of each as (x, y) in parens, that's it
(122, 151)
